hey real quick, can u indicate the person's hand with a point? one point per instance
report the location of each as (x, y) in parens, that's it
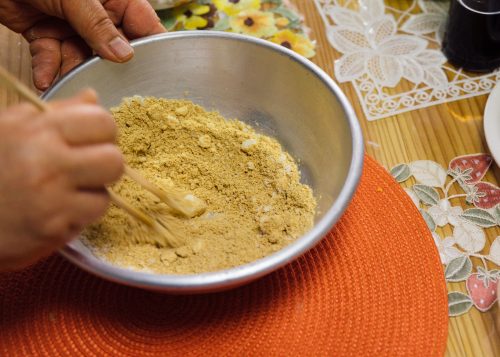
(54, 169)
(63, 33)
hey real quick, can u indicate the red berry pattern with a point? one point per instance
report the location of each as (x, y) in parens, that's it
(490, 193)
(482, 290)
(479, 163)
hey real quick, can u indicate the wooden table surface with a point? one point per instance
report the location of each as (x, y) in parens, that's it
(437, 133)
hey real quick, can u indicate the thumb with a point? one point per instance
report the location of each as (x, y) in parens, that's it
(91, 21)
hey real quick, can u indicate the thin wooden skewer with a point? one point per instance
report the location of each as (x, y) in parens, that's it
(165, 237)
(13, 83)
(182, 203)
(134, 212)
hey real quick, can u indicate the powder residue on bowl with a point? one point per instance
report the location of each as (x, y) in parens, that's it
(256, 202)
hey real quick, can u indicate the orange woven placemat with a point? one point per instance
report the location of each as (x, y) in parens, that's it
(374, 286)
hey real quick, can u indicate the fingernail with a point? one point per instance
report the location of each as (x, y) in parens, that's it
(160, 28)
(88, 95)
(121, 48)
(42, 84)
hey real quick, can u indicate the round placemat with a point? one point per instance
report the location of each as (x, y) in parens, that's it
(373, 286)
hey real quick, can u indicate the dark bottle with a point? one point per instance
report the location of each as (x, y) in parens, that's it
(472, 39)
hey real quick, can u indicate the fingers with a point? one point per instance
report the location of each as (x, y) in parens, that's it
(89, 19)
(46, 61)
(91, 160)
(73, 52)
(81, 208)
(83, 124)
(52, 57)
(93, 24)
(55, 49)
(94, 166)
(137, 17)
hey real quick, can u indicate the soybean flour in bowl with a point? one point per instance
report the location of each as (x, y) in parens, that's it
(256, 203)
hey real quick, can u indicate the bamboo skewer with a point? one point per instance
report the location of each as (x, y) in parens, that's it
(149, 221)
(181, 202)
(134, 212)
(169, 239)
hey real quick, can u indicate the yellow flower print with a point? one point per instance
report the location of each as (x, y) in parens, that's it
(255, 23)
(294, 41)
(282, 22)
(234, 7)
(190, 16)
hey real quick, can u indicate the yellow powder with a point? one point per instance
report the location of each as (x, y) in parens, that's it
(256, 203)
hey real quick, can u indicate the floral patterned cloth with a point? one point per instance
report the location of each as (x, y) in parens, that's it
(371, 46)
(468, 257)
(390, 52)
(274, 20)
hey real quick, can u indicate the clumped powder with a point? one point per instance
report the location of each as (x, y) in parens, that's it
(256, 203)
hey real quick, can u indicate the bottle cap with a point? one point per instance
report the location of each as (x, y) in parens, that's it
(485, 7)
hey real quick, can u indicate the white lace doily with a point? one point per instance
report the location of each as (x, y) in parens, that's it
(393, 57)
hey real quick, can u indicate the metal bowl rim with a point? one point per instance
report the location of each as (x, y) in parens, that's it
(213, 281)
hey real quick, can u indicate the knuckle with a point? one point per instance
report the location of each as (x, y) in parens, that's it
(106, 124)
(100, 24)
(55, 227)
(42, 179)
(45, 44)
(38, 177)
(99, 206)
(94, 209)
(68, 62)
(41, 173)
(45, 48)
(109, 162)
(115, 162)
(98, 119)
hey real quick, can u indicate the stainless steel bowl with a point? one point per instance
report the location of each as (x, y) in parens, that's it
(258, 82)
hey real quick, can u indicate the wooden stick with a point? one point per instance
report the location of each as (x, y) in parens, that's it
(165, 237)
(131, 210)
(176, 200)
(13, 83)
